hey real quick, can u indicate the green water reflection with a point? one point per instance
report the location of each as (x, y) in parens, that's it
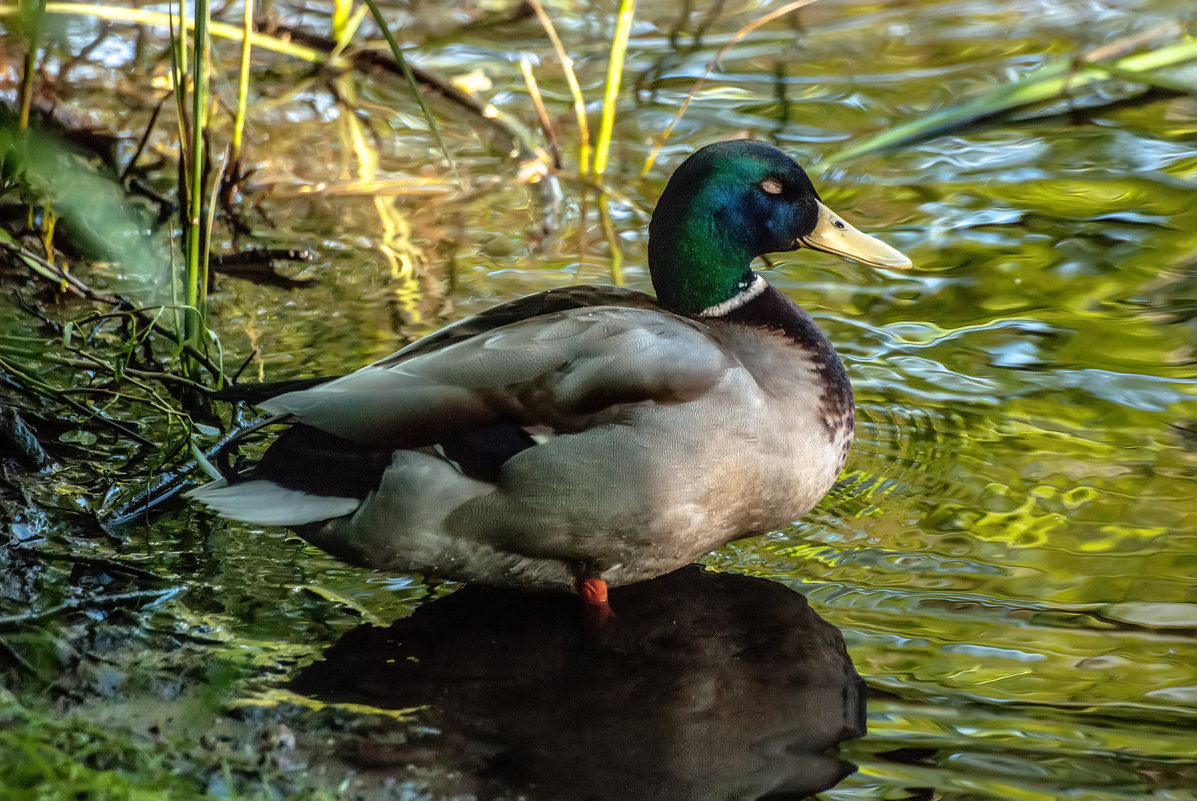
(1012, 553)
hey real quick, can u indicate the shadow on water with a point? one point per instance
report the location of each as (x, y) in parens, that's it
(705, 685)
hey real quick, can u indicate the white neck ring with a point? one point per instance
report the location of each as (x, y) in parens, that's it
(746, 294)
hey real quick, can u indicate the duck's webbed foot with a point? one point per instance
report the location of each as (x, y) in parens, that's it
(593, 592)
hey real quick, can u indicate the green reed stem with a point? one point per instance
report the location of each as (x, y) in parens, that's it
(36, 17)
(206, 254)
(243, 80)
(178, 79)
(619, 49)
(197, 285)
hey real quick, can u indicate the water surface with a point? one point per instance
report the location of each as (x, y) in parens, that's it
(1011, 554)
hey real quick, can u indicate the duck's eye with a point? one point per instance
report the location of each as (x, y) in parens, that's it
(771, 186)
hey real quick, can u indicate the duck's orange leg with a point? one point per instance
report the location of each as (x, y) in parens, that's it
(593, 592)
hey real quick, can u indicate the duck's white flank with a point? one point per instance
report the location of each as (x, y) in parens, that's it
(736, 301)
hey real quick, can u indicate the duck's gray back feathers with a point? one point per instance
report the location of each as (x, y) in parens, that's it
(563, 371)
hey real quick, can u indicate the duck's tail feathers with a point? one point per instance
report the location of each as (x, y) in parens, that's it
(265, 503)
(256, 394)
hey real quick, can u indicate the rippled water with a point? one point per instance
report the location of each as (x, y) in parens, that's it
(1012, 552)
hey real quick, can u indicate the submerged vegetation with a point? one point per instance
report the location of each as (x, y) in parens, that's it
(148, 158)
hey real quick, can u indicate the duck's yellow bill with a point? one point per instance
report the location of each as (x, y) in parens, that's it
(833, 235)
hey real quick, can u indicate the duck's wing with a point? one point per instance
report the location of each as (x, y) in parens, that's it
(526, 308)
(562, 371)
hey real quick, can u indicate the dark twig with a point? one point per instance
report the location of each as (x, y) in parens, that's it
(65, 70)
(111, 565)
(258, 266)
(373, 59)
(171, 483)
(29, 382)
(145, 137)
(92, 602)
(256, 353)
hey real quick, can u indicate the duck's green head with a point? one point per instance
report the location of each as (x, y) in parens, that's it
(731, 202)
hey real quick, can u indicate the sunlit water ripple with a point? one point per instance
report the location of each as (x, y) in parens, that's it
(1012, 551)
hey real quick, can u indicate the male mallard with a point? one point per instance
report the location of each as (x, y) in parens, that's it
(587, 435)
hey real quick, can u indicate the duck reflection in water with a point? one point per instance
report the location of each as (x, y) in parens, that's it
(705, 686)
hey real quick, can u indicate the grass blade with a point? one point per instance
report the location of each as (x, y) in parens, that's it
(571, 80)
(1148, 77)
(542, 114)
(412, 85)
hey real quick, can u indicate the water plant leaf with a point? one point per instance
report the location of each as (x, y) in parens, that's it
(12, 157)
(97, 214)
(1049, 82)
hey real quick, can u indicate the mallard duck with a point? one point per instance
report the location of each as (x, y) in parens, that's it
(590, 435)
